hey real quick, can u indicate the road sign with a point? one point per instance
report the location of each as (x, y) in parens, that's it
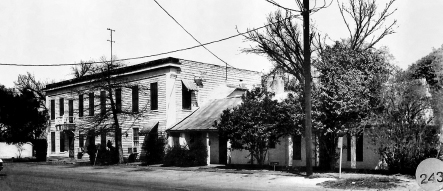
(429, 174)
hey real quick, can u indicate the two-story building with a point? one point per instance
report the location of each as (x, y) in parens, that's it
(176, 88)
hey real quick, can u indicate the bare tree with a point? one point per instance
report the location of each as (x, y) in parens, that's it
(364, 22)
(106, 78)
(28, 82)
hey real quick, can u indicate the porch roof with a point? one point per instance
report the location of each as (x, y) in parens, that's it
(203, 118)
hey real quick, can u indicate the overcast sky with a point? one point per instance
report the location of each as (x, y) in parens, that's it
(57, 32)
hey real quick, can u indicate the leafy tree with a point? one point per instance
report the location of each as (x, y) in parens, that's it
(105, 77)
(255, 123)
(403, 129)
(349, 84)
(21, 119)
(430, 68)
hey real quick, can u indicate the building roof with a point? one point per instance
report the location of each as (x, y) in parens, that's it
(117, 71)
(203, 118)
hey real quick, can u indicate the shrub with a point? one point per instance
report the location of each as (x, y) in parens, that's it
(155, 151)
(106, 157)
(181, 156)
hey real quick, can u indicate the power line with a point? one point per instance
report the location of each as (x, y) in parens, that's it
(152, 55)
(189, 33)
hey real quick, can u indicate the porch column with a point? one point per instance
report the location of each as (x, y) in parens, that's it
(290, 151)
(208, 147)
(182, 140)
(170, 141)
(353, 154)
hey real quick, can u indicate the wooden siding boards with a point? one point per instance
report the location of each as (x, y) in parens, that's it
(213, 76)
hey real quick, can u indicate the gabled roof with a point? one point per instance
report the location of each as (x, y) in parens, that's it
(122, 70)
(203, 118)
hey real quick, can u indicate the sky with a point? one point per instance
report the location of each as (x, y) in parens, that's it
(64, 32)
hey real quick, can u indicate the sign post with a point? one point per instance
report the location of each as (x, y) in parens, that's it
(340, 145)
(274, 164)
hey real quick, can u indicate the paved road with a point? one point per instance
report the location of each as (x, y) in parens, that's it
(28, 177)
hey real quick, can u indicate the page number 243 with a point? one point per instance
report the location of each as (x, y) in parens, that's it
(432, 178)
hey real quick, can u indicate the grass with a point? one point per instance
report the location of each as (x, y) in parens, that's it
(362, 183)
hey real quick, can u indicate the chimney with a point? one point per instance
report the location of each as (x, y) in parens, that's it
(275, 84)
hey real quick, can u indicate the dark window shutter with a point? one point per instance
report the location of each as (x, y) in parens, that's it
(71, 110)
(102, 102)
(348, 147)
(80, 105)
(118, 100)
(52, 110)
(52, 141)
(71, 107)
(91, 104)
(186, 97)
(81, 140)
(135, 99)
(296, 148)
(359, 148)
(62, 106)
(154, 96)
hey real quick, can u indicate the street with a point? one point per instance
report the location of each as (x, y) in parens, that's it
(31, 176)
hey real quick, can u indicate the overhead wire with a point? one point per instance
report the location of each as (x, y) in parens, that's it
(189, 33)
(152, 55)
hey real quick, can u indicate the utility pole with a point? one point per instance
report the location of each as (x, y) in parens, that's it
(117, 133)
(111, 41)
(307, 90)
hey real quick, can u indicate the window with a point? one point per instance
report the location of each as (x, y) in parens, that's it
(71, 110)
(102, 102)
(53, 141)
(186, 97)
(271, 142)
(62, 106)
(154, 96)
(296, 148)
(91, 104)
(62, 141)
(118, 100)
(135, 99)
(358, 148)
(80, 105)
(135, 137)
(52, 109)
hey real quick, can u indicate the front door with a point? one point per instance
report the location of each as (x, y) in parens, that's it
(223, 150)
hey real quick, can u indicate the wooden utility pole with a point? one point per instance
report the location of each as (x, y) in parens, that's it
(307, 90)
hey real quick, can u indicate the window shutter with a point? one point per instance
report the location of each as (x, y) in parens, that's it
(135, 99)
(118, 100)
(91, 104)
(102, 102)
(53, 111)
(154, 96)
(80, 105)
(62, 106)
